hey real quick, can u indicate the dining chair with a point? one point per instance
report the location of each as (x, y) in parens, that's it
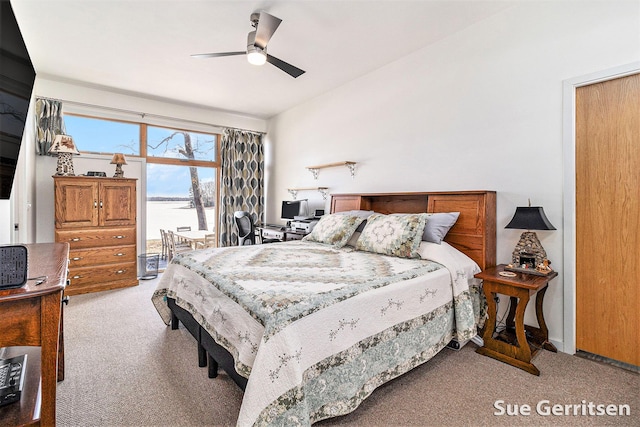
(183, 228)
(176, 247)
(209, 241)
(165, 244)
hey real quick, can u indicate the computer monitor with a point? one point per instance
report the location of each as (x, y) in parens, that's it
(290, 209)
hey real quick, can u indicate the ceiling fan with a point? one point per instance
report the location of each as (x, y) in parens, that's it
(265, 25)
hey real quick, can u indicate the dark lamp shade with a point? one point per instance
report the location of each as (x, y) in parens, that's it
(530, 218)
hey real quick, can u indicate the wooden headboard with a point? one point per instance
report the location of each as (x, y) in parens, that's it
(474, 233)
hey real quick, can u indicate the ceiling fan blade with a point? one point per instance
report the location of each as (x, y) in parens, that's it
(294, 72)
(215, 55)
(267, 25)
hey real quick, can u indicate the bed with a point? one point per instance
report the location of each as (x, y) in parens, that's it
(309, 329)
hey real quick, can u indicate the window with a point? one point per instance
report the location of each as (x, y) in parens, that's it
(181, 169)
(92, 135)
(180, 144)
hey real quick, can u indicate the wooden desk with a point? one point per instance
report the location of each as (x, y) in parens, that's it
(518, 343)
(31, 316)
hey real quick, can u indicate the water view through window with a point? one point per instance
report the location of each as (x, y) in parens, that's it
(170, 201)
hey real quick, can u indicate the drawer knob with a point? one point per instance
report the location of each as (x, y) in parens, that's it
(77, 258)
(120, 271)
(76, 239)
(118, 237)
(77, 277)
(119, 254)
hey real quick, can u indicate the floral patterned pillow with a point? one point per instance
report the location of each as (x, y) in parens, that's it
(334, 229)
(395, 235)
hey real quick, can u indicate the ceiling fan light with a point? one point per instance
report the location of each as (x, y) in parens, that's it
(257, 57)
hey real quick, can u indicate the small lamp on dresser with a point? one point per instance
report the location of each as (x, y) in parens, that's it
(529, 256)
(64, 147)
(118, 160)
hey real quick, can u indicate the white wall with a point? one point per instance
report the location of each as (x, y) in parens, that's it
(480, 110)
(5, 214)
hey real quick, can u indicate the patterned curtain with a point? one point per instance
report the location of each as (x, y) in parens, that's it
(49, 123)
(242, 181)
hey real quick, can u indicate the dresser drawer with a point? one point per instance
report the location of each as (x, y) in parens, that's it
(98, 256)
(93, 238)
(100, 274)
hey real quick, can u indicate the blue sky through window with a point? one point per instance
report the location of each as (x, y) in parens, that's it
(93, 135)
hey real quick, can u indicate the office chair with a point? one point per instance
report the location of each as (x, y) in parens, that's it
(245, 227)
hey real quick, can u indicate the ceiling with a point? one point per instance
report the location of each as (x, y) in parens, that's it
(143, 47)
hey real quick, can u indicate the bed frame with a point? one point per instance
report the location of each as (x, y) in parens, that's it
(473, 234)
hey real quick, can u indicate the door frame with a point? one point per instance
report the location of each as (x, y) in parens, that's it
(569, 87)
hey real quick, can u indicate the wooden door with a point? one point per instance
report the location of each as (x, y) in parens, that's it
(76, 202)
(608, 219)
(117, 202)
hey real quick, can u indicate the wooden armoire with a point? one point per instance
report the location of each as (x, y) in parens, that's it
(97, 217)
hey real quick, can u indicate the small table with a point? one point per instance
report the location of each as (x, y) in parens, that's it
(31, 316)
(518, 343)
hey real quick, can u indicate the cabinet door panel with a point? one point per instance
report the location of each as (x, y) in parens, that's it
(76, 203)
(117, 203)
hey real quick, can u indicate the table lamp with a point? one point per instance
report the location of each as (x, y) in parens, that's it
(529, 256)
(118, 160)
(64, 147)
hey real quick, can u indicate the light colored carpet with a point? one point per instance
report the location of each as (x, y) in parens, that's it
(124, 367)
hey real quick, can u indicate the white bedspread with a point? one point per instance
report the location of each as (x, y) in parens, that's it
(317, 328)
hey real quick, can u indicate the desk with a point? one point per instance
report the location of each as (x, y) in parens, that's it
(518, 343)
(31, 316)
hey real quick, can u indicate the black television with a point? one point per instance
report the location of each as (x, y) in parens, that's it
(17, 76)
(290, 209)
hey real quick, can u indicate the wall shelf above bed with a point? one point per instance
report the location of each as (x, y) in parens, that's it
(323, 190)
(315, 170)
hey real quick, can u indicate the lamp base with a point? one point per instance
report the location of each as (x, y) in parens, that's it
(65, 165)
(529, 256)
(119, 172)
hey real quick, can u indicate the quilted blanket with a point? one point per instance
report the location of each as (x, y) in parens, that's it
(316, 329)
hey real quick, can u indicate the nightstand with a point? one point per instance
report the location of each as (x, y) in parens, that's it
(518, 343)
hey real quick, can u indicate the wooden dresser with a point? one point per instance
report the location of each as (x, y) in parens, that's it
(97, 217)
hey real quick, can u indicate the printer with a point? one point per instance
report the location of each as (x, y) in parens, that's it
(303, 224)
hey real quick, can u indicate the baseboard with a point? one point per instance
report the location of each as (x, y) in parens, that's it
(607, 361)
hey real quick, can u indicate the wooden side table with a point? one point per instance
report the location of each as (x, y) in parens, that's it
(31, 316)
(518, 343)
